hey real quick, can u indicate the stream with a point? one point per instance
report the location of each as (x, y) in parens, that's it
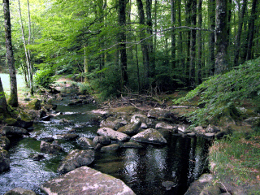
(144, 170)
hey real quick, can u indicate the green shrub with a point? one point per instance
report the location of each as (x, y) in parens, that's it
(220, 94)
(44, 77)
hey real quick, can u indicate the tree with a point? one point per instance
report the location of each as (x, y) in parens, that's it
(3, 105)
(13, 100)
(221, 36)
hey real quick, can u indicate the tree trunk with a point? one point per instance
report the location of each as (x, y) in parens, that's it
(13, 100)
(251, 30)
(144, 44)
(211, 8)
(221, 36)
(3, 105)
(122, 41)
(173, 13)
(193, 43)
(199, 63)
(188, 39)
(239, 32)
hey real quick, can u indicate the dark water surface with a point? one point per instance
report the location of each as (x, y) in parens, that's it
(144, 170)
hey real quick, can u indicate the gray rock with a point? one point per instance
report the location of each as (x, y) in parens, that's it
(183, 129)
(10, 131)
(85, 143)
(197, 186)
(20, 191)
(76, 158)
(130, 129)
(138, 117)
(67, 137)
(212, 129)
(163, 125)
(161, 114)
(168, 184)
(110, 148)
(112, 134)
(113, 123)
(151, 136)
(103, 140)
(50, 148)
(4, 160)
(86, 181)
(37, 157)
(210, 135)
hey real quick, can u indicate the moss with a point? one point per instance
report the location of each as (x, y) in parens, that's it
(25, 116)
(34, 104)
(10, 121)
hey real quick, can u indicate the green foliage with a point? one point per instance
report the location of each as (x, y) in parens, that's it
(222, 93)
(44, 77)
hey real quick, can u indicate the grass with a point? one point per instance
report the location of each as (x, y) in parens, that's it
(236, 160)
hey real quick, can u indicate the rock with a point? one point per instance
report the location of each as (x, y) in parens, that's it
(220, 135)
(11, 131)
(151, 136)
(20, 191)
(138, 117)
(103, 140)
(76, 158)
(37, 157)
(102, 113)
(163, 125)
(46, 118)
(112, 134)
(34, 104)
(209, 135)
(4, 142)
(75, 102)
(130, 129)
(86, 181)
(212, 129)
(110, 148)
(254, 121)
(168, 184)
(24, 124)
(85, 143)
(199, 129)
(4, 160)
(192, 134)
(144, 126)
(183, 129)
(161, 114)
(113, 123)
(50, 148)
(67, 137)
(131, 145)
(197, 186)
(211, 190)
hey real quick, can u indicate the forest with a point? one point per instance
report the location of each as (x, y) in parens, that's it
(137, 46)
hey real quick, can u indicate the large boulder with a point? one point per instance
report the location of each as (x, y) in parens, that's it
(4, 160)
(103, 140)
(130, 129)
(110, 148)
(112, 134)
(76, 158)
(50, 148)
(11, 131)
(34, 104)
(86, 181)
(20, 191)
(151, 136)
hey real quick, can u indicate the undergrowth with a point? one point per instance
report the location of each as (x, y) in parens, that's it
(221, 94)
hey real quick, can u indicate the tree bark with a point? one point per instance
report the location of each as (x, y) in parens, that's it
(239, 32)
(173, 13)
(193, 43)
(199, 62)
(251, 30)
(13, 100)
(211, 8)
(221, 36)
(3, 104)
(122, 41)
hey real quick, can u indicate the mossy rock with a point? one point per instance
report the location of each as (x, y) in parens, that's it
(34, 104)
(25, 116)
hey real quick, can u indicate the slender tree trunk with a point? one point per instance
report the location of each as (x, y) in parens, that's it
(13, 100)
(251, 30)
(193, 43)
(144, 44)
(29, 42)
(173, 13)
(199, 62)
(221, 36)
(188, 39)
(211, 8)
(122, 40)
(239, 32)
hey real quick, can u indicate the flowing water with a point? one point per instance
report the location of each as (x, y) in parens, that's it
(144, 170)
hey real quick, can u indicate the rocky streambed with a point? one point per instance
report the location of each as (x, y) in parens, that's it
(134, 151)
